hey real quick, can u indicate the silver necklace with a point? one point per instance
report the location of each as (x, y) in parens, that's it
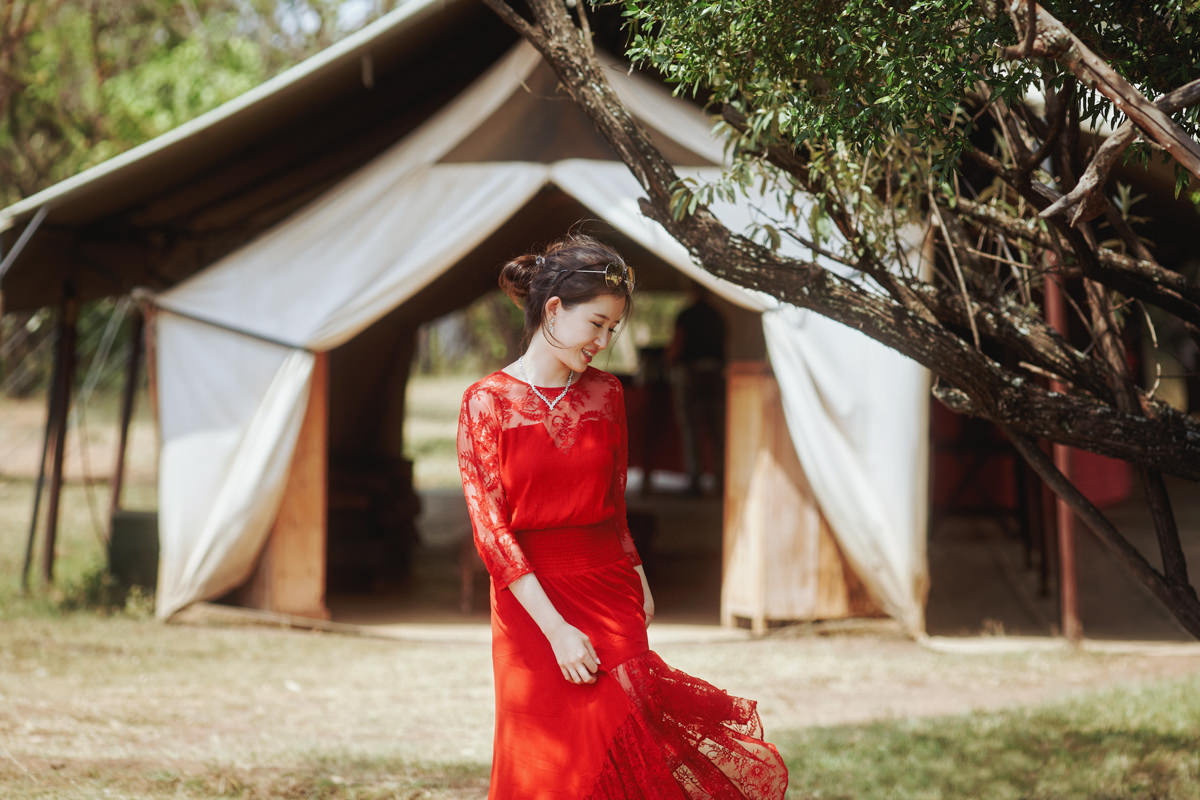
(549, 403)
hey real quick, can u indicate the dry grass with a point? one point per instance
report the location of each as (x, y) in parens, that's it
(431, 429)
(149, 705)
(94, 706)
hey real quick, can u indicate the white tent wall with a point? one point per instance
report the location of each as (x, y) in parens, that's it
(372, 242)
(858, 416)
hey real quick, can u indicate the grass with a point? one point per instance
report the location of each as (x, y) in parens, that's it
(431, 429)
(80, 550)
(322, 780)
(1138, 742)
(80, 579)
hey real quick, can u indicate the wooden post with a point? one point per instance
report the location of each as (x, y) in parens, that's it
(150, 352)
(1071, 627)
(1, 300)
(132, 368)
(64, 371)
(290, 577)
(51, 415)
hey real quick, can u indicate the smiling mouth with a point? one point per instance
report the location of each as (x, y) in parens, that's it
(588, 354)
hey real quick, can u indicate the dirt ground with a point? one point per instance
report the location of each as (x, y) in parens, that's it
(85, 690)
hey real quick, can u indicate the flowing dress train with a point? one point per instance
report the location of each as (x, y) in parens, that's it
(545, 489)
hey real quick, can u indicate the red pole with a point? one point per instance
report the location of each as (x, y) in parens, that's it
(1072, 629)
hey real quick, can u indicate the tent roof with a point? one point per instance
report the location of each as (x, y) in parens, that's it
(160, 211)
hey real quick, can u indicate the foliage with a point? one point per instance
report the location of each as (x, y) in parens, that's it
(867, 72)
(85, 81)
(881, 99)
(98, 590)
(860, 71)
(857, 117)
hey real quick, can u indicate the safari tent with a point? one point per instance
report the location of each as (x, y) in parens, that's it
(288, 245)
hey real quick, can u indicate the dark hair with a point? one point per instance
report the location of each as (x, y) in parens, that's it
(532, 279)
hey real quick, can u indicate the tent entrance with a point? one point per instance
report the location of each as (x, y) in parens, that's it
(391, 439)
(372, 506)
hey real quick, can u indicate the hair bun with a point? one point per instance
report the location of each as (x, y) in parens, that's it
(517, 276)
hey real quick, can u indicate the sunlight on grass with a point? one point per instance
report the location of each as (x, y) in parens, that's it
(1130, 743)
(431, 429)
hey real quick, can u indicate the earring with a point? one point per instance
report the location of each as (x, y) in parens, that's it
(552, 325)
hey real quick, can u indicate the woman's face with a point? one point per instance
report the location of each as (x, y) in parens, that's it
(582, 331)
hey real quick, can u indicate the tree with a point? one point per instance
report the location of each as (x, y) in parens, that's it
(81, 82)
(981, 123)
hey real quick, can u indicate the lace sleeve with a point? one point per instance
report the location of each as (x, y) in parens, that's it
(619, 471)
(479, 465)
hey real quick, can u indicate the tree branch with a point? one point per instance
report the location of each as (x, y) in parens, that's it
(1086, 200)
(1157, 500)
(1054, 40)
(515, 21)
(962, 283)
(1147, 280)
(1179, 599)
(790, 163)
(1056, 111)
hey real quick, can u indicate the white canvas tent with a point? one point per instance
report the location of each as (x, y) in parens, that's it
(231, 405)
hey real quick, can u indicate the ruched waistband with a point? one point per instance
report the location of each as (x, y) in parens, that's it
(561, 550)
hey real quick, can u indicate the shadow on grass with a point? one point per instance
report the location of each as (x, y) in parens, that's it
(1135, 744)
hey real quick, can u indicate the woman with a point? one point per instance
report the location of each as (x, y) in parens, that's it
(584, 709)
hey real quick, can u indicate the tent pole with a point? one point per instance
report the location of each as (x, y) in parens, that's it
(64, 371)
(147, 298)
(127, 396)
(7, 261)
(1072, 629)
(1, 304)
(51, 415)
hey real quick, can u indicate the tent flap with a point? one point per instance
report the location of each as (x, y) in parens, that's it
(866, 461)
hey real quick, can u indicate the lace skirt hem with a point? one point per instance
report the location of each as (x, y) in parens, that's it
(685, 739)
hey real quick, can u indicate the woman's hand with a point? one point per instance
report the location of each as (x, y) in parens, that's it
(574, 653)
(647, 596)
(572, 648)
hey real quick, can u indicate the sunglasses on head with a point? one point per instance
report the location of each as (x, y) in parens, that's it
(614, 275)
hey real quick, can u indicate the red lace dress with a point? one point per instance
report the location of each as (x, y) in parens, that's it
(546, 494)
